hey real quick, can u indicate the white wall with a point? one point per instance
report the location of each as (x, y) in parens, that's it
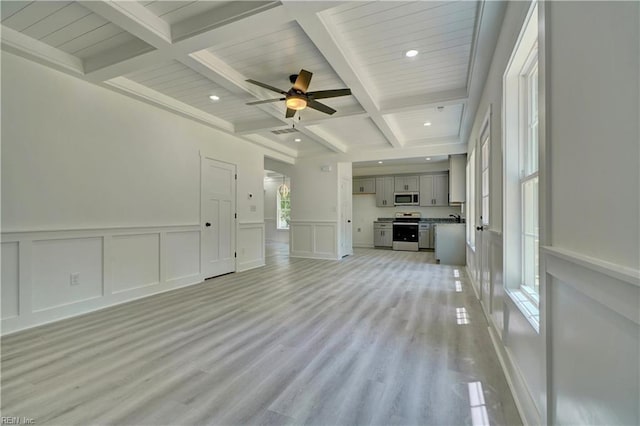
(365, 212)
(582, 368)
(314, 208)
(271, 210)
(593, 272)
(88, 175)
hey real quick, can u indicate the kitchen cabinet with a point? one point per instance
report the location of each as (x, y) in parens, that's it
(364, 186)
(384, 191)
(382, 234)
(407, 183)
(457, 179)
(450, 244)
(434, 190)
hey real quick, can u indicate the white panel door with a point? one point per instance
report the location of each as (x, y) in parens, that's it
(346, 225)
(482, 241)
(218, 211)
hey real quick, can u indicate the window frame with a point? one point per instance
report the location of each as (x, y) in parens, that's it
(525, 59)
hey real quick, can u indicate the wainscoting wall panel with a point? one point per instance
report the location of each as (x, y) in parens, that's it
(136, 261)
(497, 282)
(250, 245)
(10, 277)
(51, 275)
(596, 320)
(55, 262)
(182, 256)
(314, 239)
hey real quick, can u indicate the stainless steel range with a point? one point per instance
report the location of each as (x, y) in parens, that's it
(406, 231)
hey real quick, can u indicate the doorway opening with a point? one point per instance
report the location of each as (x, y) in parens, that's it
(277, 213)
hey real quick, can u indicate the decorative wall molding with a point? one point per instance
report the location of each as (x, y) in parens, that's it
(314, 239)
(614, 286)
(251, 242)
(112, 265)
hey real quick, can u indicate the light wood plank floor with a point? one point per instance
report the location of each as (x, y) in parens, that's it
(372, 339)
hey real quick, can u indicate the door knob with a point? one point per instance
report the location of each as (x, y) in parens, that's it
(207, 224)
(349, 221)
(479, 228)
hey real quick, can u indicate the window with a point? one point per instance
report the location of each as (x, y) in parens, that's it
(471, 200)
(484, 140)
(283, 208)
(529, 178)
(521, 229)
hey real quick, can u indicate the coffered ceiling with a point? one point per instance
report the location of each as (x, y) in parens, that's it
(177, 54)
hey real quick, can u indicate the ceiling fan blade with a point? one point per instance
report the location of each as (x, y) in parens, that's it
(290, 113)
(266, 86)
(303, 80)
(320, 107)
(322, 94)
(266, 101)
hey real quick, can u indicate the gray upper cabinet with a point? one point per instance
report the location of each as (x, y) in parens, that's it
(407, 183)
(434, 190)
(384, 191)
(364, 186)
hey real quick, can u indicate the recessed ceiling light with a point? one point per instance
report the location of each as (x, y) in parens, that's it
(427, 123)
(379, 162)
(428, 158)
(411, 53)
(297, 140)
(214, 98)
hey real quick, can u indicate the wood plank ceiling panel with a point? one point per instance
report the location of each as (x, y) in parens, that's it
(410, 125)
(185, 85)
(377, 34)
(356, 131)
(272, 56)
(67, 26)
(177, 11)
(31, 14)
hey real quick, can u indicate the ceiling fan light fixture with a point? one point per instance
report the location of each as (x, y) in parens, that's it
(296, 102)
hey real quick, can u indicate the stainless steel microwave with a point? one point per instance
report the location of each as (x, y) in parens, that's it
(406, 199)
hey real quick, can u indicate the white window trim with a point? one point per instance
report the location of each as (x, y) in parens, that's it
(526, 302)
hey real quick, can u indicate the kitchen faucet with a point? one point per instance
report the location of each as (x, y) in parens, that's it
(457, 217)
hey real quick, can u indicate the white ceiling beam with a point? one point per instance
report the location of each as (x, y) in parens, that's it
(28, 47)
(130, 87)
(128, 66)
(245, 29)
(412, 103)
(411, 152)
(134, 18)
(223, 15)
(307, 16)
(132, 49)
(323, 138)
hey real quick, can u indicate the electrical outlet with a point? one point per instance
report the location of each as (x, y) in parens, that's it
(75, 278)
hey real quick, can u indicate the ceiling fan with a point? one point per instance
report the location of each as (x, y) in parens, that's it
(298, 98)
